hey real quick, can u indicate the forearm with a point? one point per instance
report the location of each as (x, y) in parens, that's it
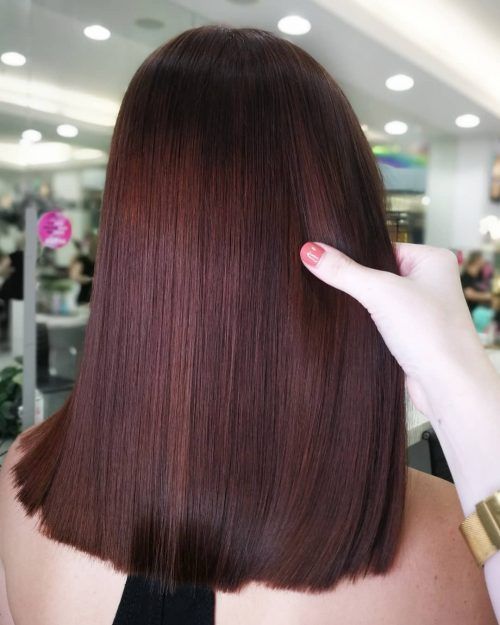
(466, 418)
(81, 278)
(492, 577)
(479, 296)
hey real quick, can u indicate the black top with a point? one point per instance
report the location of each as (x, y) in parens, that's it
(475, 282)
(12, 288)
(87, 270)
(143, 603)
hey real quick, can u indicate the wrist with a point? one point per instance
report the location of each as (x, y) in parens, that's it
(465, 413)
(458, 374)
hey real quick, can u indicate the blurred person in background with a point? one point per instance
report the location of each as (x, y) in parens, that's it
(476, 285)
(11, 272)
(81, 268)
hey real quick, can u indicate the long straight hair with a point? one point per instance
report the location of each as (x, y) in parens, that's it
(234, 418)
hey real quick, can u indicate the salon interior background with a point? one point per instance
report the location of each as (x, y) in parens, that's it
(437, 171)
(422, 76)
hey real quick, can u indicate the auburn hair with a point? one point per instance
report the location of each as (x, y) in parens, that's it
(234, 418)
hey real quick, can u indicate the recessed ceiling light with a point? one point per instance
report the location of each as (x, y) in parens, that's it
(426, 200)
(294, 25)
(31, 135)
(16, 59)
(97, 32)
(396, 128)
(399, 82)
(38, 154)
(467, 121)
(67, 130)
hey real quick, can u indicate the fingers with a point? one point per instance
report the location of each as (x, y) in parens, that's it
(408, 255)
(371, 287)
(338, 270)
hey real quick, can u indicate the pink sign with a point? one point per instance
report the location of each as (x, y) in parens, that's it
(54, 229)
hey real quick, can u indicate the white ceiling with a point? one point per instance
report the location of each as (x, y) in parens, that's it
(49, 33)
(454, 40)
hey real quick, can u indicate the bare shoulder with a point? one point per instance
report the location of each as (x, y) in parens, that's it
(10, 509)
(19, 532)
(434, 560)
(434, 578)
(65, 585)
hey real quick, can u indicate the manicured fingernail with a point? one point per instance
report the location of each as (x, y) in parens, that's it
(311, 253)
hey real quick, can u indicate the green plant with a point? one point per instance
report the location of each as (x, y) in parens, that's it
(11, 392)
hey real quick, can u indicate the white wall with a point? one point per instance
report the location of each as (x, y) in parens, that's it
(440, 185)
(67, 185)
(458, 185)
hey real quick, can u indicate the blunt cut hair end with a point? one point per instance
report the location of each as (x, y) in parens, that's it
(234, 419)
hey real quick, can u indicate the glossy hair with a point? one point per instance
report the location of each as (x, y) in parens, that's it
(234, 418)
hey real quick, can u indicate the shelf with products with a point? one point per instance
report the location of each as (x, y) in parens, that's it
(405, 217)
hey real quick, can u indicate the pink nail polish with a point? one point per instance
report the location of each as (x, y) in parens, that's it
(311, 253)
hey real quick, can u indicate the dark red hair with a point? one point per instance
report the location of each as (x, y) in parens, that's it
(234, 418)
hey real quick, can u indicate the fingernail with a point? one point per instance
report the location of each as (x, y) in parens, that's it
(311, 253)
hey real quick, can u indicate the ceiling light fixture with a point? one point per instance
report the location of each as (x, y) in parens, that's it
(88, 154)
(33, 155)
(294, 25)
(52, 153)
(59, 101)
(396, 128)
(399, 82)
(97, 32)
(67, 130)
(457, 47)
(16, 59)
(467, 121)
(31, 135)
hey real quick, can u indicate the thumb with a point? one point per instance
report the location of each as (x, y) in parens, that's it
(342, 272)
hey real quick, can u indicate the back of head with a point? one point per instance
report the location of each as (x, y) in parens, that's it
(474, 258)
(234, 418)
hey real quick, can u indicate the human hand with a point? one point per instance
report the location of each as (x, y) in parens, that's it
(422, 314)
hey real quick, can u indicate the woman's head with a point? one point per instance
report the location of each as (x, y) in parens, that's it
(234, 418)
(475, 261)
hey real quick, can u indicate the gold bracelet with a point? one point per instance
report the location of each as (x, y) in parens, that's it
(481, 529)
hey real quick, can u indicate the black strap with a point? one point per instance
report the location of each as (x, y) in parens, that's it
(143, 603)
